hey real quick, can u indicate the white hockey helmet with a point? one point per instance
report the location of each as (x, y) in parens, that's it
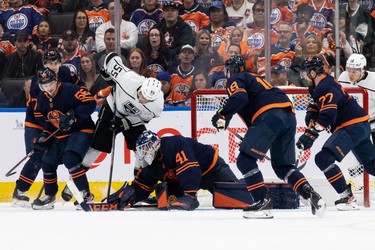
(356, 61)
(151, 88)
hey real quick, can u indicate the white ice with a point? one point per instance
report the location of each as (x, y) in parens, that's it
(205, 228)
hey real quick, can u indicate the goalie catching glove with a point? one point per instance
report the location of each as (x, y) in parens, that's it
(219, 121)
(66, 120)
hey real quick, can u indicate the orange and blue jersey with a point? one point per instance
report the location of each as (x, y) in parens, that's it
(337, 109)
(181, 160)
(250, 96)
(66, 97)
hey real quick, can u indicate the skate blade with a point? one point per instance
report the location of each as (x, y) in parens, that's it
(347, 206)
(262, 214)
(45, 207)
(18, 203)
(320, 210)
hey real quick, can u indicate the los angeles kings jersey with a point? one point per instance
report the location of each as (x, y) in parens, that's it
(128, 82)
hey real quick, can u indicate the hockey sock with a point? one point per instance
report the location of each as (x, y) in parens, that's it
(90, 157)
(325, 161)
(79, 177)
(50, 183)
(30, 172)
(252, 176)
(296, 180)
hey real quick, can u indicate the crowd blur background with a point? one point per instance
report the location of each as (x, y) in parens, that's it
(183, 43)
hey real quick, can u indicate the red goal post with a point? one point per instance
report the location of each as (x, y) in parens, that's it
(204, 104)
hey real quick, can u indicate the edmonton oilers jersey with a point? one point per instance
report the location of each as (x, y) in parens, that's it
(23, 18)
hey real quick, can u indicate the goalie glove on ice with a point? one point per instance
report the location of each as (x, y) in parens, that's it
(219, 121)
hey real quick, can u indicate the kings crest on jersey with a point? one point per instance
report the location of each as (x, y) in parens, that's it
(128, 82)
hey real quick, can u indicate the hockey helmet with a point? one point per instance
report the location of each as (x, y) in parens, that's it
(151, 88)
(356, 61)
(147, 145)
(52, 55)
(235, 64)
(46, 75)
(313, 63)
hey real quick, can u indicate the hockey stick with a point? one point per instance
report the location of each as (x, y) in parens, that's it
(10, 172)
(241, 138)
(97, 207)
(113, 140)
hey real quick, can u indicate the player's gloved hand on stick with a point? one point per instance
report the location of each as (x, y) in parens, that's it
(40, 142)
(66, 120)
(120, 124)
(312, 113)
(186, 202)
(307, 139)
(219, 121)
(106, 77)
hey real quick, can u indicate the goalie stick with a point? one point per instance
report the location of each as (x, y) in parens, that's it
(10, 172)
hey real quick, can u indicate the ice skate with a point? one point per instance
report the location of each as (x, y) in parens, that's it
(318, 206)
(20, 199)
(347, 202)
(45, 202)
(259, 210)
(88, 197)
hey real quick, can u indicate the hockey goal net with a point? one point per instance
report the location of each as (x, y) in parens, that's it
(204, 104)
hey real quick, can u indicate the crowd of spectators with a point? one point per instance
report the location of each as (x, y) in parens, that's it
(182, 43)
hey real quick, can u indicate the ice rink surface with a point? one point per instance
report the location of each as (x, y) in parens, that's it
(66, 228)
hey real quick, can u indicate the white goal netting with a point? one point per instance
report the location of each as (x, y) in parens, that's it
(206, 102)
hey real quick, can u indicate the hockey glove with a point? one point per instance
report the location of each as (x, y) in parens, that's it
(186, 202)
(106, 77)
(307, 139)
(66, 120)
(120, 125)
(40, 144)
(123, 197)
(219, 121)
(312, 113)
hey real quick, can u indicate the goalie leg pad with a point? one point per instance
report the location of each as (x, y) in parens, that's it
(161, 191)
(231, 195)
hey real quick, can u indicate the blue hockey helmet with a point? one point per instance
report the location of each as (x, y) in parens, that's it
(313, 63)
(234, 65)
(147, 145)
(52, 55)
(45, 75)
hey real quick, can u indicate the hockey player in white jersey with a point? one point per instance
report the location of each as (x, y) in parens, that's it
(136, 100)
(356, 75)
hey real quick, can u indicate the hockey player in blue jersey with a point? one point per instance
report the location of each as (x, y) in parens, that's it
(269, 116)
(68, 108)
(52, 60)
(185, 164)
(339, 113)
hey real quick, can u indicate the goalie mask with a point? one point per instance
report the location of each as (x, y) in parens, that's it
(234, 65)
(147, 146)
(151, 89)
